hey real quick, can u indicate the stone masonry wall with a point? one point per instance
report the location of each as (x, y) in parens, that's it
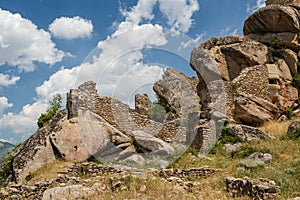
(118, 114)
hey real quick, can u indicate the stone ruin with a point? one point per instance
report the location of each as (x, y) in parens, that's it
(97, 127)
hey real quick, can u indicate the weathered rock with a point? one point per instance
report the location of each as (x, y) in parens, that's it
(256, 189)
(136, 160)
(288, 40)
(68, 192)
(273, 19)
(142, 104)
(263, 157)
(77, 139)
(232, 147)
(291, 60)
(248, 133)
(294, 126)
(88, 137)
(254, 111)
(148, 143)
(178, 92)
(278, 71)
(35, 152)
(220, 61)
(231, 55)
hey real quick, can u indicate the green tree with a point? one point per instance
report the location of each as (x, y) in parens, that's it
(158, 111)
(55, 105)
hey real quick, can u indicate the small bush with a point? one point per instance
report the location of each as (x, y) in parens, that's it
(296, 81)
(55, 105)
(276, 48)
(291, 136)
(289, 112)
(235, 86)
(6, 169)
(158, 112)
(225, 138)
(251, 164)
(29, 176)
(276, 44)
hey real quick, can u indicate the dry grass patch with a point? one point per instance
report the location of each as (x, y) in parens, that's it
(144, 188)
(48, 172)
(277, 129)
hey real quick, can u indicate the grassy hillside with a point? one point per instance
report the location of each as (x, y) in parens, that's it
(284, 169)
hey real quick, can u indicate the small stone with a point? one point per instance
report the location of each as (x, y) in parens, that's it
(143, 188)
(258, 156)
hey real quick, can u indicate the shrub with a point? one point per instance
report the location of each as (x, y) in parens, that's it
(276, 48)
(6, 169)
(55, 105)
(291, 136)
(276, 44)
(251, 164)
(296, 81)
(225, 138)
(289, 112)
(158, 111)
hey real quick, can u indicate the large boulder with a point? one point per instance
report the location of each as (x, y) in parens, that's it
(294, 126)
(273, 19)
(253, 110)
(178, 92)
(248, 133)
(228, 55)
(260, 157)
(76, 139)
(149, 144)
(287, 39)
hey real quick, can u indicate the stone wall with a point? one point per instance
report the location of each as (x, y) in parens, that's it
(89, 176)
(118, 114)
(262, 189)
(83, 98)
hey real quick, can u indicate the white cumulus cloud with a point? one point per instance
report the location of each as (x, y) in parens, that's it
(7, 80)
(117, 63)
(4, 104)
(71, 28)
(179, 13)
(25, 121)
(259, 4)
(22, 43)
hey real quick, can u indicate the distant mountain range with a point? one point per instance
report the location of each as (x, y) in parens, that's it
(5, 147)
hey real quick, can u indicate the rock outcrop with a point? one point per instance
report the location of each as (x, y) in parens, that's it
(248, 78)
(273, 18)
(248, 133)
(179, 93)
(95, 127)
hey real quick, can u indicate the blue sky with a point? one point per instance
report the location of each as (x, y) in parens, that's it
(50, 46)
